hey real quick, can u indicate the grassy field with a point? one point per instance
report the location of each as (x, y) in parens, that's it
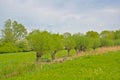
(22, 66)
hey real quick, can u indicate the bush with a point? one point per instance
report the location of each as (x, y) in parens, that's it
(8, 47)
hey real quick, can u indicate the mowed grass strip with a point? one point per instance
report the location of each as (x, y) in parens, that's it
(91, 67)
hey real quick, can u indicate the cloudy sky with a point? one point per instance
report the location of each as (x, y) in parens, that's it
(62, 15)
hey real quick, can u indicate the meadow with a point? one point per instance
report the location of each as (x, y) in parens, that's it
(23, 66)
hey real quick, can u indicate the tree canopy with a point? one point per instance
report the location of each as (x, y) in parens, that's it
(13, 31)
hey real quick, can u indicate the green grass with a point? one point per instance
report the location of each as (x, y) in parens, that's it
(16, 63)
(22, 66)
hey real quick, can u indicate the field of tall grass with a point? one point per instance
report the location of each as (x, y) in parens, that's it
(22, 66)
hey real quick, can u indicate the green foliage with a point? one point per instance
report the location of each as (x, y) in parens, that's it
(107, 42)
(94, 39)
(7, 32)
(56, 42)
(18, 30)
(117, 42)
(40, 41)
(23, 45)
(13, 31)
(84, 43)
(107, 38)
(107, 34)
(95, 42)
(92, 34)
(77, 38)
(117, 34)
(69, 43)
(8, 47)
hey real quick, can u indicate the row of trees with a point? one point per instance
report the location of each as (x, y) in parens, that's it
(15, 39)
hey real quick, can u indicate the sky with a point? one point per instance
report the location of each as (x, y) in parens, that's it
(61, 16)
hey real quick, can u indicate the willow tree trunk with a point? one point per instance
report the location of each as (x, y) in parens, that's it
(77, 51)
(53, 55)
(38, 56)
(68, 51)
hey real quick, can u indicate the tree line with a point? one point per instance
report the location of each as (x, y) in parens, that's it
(15, 38)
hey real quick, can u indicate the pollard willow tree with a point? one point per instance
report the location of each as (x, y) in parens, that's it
(107, 38)
(76, 38)
(94, 39)
(56, 44)
(69, 42)
(40, 42)
(84, 43)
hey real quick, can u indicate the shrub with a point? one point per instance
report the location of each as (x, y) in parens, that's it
(8, 47)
